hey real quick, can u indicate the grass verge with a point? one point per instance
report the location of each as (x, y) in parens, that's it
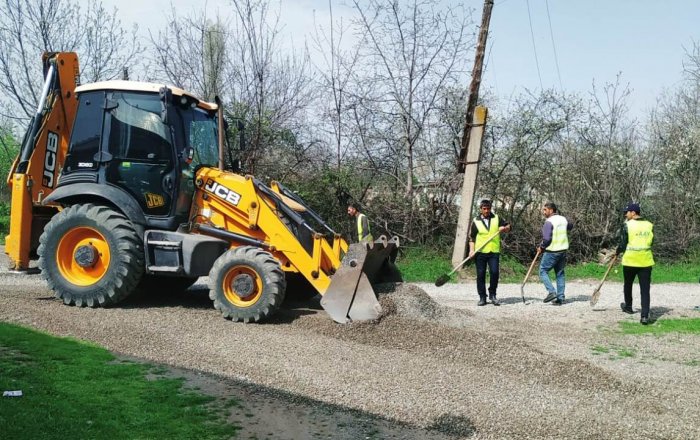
(426, 265)
(662, 326)
(72, 389)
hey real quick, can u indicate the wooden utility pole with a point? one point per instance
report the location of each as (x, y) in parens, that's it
(470, 153)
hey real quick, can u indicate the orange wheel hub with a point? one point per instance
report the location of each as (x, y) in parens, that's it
(242, 286)
(83, 256)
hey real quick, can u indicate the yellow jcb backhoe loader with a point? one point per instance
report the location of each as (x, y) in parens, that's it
(120, 184)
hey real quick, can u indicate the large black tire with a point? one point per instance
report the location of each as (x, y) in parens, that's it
(247, 284)
(91, 256)
(156, 284)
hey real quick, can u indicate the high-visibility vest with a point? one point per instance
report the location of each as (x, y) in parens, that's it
(640, 234)
(363, 235)
(560, 239)
(483, 234)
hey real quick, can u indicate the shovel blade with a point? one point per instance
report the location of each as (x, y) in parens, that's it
(595, 297)
(442, 279)
(350, 296)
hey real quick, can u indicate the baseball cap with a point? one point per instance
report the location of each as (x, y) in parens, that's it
(632, 207)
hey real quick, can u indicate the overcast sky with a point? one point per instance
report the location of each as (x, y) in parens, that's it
(645, 40)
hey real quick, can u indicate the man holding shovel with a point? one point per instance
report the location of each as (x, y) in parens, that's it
(485, 226)
(636, 237)
(555, 243)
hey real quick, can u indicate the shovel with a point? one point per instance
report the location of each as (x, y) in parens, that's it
(596, 293)
(442, 279)
(529, 271)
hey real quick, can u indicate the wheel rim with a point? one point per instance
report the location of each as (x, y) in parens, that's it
(242, 286)
(70, 256)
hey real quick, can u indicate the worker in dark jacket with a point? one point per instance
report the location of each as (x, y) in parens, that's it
(636, 237)
(364, 235)
(486, 225)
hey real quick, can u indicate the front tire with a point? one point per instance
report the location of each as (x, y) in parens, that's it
(91, 256)
(247, 284)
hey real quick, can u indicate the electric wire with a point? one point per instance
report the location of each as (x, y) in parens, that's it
(534, 46)
(554, 47)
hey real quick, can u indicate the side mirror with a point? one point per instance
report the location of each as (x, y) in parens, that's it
(188, 155)
(166, 96)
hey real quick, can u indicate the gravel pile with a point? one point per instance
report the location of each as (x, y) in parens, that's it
(410, 301)
(435, 360)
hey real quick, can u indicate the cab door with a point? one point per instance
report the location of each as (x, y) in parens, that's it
(141, 150)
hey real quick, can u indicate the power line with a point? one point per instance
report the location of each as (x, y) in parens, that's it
(554, 47)
(534, 46)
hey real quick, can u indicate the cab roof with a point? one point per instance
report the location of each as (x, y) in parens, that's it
(138, 86)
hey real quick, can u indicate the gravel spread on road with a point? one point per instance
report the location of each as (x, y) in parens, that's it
(435, 360)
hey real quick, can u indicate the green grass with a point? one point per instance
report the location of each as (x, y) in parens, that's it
(426, 265)
(417, 264)
(662, 326)
(600, 349)
(77, 390)
(4, 221)
(614, 352)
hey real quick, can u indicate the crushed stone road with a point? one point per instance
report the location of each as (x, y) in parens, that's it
(436, 361)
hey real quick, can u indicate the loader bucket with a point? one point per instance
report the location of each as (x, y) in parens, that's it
(350, 296)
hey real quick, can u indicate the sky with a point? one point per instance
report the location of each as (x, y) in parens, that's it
(532, 44)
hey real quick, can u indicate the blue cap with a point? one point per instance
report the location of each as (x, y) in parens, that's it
(632, 207)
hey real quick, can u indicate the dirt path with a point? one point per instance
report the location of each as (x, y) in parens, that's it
(440, 362)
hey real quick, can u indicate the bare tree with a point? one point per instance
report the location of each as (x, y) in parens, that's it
(272, 89)
(413, 51)
(337, 61)
(675, 137)
(191, 53)
(30, 27)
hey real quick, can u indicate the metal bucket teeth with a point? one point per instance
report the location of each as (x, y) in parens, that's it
(351, 297)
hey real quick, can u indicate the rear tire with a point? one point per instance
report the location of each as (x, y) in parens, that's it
(91, 256)
(247, 284)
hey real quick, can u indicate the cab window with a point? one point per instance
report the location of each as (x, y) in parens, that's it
(137, 132)
(87, 129)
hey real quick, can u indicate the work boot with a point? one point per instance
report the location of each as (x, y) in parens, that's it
(482, 301)
(644, 320)
(627, 309)
(551, 297)
(494, 301)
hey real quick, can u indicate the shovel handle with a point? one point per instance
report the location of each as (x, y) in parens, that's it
(469, 257)
(610, 265)
(532, 265)
(596, 293)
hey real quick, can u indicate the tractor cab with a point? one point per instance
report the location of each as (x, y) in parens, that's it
(145, 141)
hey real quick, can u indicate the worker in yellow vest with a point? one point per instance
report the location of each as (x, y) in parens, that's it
(636, 237)
(554, 244)
(364, 235)
(486, 225)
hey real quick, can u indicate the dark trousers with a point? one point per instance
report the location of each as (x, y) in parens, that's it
(644, 275)
(492, 261)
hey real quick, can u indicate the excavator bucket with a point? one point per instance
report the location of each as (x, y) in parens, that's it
(350, 296)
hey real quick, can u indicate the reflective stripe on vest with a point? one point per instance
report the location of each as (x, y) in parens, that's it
(494, 245)
(640, 234)
(560, 239)
(361, 234)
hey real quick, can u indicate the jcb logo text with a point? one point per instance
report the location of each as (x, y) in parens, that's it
(222, 192)
(50, 159)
